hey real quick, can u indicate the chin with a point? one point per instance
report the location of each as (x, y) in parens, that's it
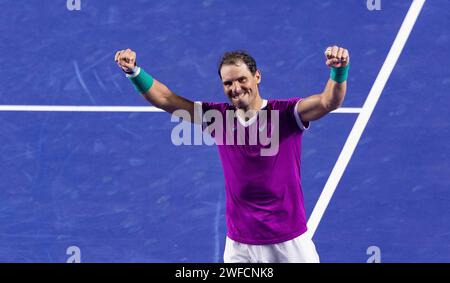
(241, 105)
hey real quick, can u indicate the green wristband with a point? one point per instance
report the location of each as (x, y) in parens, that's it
(142, 82)
(340, 74)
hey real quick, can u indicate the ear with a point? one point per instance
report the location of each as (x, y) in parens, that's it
(258, 76)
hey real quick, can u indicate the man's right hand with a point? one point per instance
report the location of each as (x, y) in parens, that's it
(159, 95)
(126, 60)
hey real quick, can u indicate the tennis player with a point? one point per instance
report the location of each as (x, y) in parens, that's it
(265, 213)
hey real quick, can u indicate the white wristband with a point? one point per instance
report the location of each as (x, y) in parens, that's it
(136, 71)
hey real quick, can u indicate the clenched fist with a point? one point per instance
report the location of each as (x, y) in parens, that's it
(337, 57)
(126, 59)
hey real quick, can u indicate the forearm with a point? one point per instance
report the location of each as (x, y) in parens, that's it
(333, 95)
(153, 91)
(162, 97)
(159, 94)
(316, 106)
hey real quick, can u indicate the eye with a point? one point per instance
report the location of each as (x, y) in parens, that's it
(227, 83)
(242, 80)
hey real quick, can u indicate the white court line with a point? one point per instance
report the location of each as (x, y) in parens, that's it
(347, 110)
(79, 108)
(84, 108)
(363, 117)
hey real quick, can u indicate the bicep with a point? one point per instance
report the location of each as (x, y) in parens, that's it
(180, 103)
(311, 108)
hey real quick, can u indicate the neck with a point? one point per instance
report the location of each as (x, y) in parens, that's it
(251, 110)
(255, 105)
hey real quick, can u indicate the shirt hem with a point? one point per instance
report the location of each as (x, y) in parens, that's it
(278, 240)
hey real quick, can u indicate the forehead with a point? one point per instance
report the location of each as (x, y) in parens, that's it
(234, 71)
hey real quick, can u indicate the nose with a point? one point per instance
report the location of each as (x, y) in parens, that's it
(236, 88)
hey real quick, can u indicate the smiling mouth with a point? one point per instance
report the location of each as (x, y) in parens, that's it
(237, 96)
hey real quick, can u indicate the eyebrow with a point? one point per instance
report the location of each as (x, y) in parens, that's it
(240, 78)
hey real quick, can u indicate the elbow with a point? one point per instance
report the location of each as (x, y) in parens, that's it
(332, 101)
(336, 106)
(331, 105)
(332, 108)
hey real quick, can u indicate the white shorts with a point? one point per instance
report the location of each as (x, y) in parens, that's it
(297, 250)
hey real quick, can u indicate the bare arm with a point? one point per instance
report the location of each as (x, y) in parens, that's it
(316, 106)
(159, 94)
(162, 97)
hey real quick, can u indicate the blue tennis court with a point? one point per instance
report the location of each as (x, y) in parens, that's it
(106, 184)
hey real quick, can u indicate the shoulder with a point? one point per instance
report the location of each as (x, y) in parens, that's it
(288, 111)
(221, 106)
(284, 104)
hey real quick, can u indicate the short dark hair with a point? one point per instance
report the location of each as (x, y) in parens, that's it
(235, 57)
